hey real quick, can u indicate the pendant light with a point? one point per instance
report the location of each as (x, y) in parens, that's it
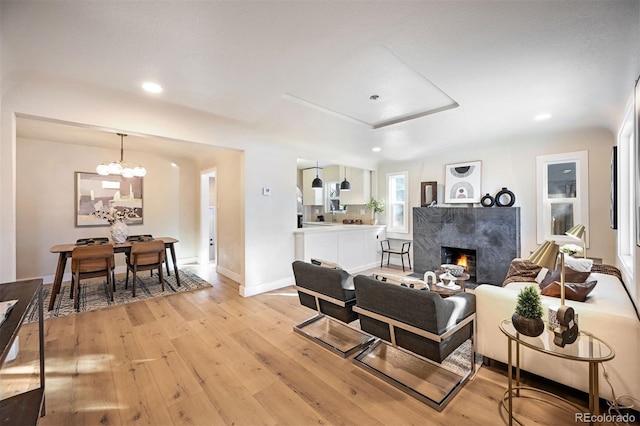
(345, 185)
(317, 182)
(120, 167)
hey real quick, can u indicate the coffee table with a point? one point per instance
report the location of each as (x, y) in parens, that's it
(446, 292)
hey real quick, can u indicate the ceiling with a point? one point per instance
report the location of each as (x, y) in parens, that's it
(501, 62)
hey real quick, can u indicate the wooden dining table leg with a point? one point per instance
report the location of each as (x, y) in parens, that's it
(175, 263)
(57, 281)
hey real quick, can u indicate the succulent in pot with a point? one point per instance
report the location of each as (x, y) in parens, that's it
(527, 319)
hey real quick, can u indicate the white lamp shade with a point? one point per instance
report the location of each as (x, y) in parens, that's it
(115, 168)
(139, 171)
(102, 169)
(127, 172)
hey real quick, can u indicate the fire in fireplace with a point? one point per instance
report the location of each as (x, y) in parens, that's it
(462, 257)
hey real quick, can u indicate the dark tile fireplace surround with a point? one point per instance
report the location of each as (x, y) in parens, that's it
(493, 232)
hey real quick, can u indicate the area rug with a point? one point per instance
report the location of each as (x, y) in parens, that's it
(94, 296)
(459, 360)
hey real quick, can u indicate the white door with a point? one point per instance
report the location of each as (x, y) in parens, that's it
(212, 227)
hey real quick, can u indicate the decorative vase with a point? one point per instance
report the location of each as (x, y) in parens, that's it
(531, 327)
(119, 232)
(505, 198)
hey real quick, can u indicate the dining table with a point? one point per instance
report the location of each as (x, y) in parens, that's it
(64, 252)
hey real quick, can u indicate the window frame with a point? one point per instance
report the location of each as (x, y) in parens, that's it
(404, 228)
(625, 244)
(580, 202)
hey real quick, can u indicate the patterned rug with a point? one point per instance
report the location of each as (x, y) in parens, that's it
(95, 295)
(459, 360)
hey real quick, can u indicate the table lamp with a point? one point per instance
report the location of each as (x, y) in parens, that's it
(578, 233)
(547, 256)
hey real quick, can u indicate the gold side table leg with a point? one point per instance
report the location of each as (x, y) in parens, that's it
(510, 367)
(594, 391)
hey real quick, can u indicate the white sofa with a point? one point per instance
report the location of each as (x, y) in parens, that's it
(608, 313)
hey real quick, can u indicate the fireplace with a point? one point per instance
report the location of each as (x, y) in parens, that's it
(460, 256)
(492, 233)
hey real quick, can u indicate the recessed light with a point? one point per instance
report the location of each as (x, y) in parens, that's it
(376, 149)
(151, 87)
(542, 117)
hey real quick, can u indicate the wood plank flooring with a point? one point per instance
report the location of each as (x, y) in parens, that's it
(211, 357)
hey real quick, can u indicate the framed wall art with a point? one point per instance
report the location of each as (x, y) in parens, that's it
(462, 182)
(95, 193)
(428, 193)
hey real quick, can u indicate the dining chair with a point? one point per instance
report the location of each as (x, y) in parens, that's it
(386, 248)
(145, 256)
(89, 262)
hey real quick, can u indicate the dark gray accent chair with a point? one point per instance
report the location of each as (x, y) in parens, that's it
(447, 321)
(322, 289)
(326, 282)
(421, 329)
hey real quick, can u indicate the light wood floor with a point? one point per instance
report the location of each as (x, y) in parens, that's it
(211, 357)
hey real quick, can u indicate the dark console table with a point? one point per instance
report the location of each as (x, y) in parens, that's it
(24, 408)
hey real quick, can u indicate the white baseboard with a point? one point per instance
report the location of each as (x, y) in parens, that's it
(263, 288)
(229, 274)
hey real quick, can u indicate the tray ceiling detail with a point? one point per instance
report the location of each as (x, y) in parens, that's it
(374, 87)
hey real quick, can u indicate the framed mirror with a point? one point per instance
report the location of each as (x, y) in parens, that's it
(563, 195)
(428, 193)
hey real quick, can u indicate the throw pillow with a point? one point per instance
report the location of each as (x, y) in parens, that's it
(522, 270)
(325, 264)
(570, 276)
(402, 281)
(580, 265)
(572, 291)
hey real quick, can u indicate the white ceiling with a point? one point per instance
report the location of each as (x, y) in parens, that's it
(503, 62)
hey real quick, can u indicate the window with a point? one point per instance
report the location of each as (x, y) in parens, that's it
(397, 207)
(626, 167)
(563, 195)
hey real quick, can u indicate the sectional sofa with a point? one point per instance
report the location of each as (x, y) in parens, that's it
(607, 313)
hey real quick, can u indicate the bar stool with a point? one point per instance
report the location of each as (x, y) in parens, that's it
(402, 251)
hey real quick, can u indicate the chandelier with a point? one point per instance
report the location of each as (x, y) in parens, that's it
(120, 167)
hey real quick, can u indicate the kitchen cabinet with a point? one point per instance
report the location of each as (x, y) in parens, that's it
(311, 196)
(360, 181)
(354, 247)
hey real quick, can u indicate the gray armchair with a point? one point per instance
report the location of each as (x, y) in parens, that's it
(330, 292)
(420, 327)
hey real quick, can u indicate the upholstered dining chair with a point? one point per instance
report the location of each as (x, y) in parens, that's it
(89, 262)
(145, 256)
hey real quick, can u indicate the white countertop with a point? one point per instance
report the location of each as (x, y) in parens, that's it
(334, 227)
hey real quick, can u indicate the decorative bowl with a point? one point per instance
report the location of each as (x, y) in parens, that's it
(455, 270)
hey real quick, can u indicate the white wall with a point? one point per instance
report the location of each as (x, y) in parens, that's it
(265, 238)
(45, 188)
(512, 164)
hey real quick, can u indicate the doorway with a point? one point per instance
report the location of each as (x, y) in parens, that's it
(208, 218)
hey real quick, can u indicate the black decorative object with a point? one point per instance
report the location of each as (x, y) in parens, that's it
(500, 198)
(487, 201)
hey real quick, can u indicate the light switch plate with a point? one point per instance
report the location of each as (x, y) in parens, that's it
(266, 191)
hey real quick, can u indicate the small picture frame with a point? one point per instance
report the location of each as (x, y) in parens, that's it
(463, 182)
(428, 193)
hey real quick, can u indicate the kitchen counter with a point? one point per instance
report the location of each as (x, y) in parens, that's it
(311, 227)
(353, 247)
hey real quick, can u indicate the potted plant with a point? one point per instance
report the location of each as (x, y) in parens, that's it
(376, 206)
(527, 319)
